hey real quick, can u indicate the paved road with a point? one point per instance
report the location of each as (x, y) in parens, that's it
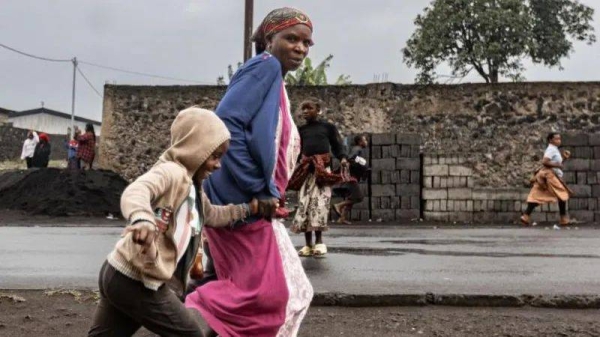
(365, 260)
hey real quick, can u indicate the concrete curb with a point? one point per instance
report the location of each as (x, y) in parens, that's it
(458, 300)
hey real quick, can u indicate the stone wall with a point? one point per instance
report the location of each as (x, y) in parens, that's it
(502, 126)
(450, 192)
(395, 182)
(11, 143)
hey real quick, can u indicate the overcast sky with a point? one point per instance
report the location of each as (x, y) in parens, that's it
(197, 39)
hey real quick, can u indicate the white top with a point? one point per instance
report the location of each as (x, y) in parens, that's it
(29, 146)
(553, 153)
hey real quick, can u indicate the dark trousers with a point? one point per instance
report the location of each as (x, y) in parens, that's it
(29, 162)
(562, 207)
(126, 305)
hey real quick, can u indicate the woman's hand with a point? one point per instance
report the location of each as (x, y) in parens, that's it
(267, 208)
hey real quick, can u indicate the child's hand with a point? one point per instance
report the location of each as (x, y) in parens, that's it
(253, 206)
(143, 233)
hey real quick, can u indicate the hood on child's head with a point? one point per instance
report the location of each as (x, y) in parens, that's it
(195, 134)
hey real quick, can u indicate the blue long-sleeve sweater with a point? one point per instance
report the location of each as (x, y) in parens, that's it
(250, 110)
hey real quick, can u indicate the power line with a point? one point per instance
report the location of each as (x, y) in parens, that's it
(88, 82)
(143, 74)
(33, 56)
(103, 66)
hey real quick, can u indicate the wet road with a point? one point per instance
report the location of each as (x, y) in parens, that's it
(363, 260)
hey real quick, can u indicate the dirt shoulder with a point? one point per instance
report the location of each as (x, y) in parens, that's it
(68, 314)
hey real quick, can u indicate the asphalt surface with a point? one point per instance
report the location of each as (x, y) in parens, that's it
(366, 260)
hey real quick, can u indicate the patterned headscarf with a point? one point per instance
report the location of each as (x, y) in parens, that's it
(276, 21)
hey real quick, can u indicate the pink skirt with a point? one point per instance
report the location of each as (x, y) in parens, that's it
(250, 295)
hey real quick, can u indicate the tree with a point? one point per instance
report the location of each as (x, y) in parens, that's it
(307, 75)
(493, 37)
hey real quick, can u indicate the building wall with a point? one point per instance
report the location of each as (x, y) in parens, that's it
(12, 138)
(47, 123)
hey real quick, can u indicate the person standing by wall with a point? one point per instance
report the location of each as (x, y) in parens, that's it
(313, 177)
(41, 155)
(359, 169)
(548, 185)
(29, 147)
(86, 150)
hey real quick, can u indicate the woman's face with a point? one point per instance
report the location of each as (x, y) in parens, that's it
(212, 163)
(290, 46)
(309, 111)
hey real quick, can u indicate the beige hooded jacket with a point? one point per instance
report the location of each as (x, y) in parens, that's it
(195, 134)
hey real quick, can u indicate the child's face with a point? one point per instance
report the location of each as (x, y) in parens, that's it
(213, 162)
(309, 111)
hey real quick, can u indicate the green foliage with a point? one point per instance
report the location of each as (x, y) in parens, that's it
(493, 37)
(309, 75)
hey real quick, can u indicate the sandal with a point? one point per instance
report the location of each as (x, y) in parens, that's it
(525, 220)
(320, 250)
(306, 251)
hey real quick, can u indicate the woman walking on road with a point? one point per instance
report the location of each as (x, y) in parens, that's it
(548, 185)
(260, 288)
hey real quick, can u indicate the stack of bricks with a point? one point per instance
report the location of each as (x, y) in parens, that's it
(395, 177)
(582, 174)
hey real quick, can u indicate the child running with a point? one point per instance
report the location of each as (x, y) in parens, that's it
(313, 177)
(166, 209)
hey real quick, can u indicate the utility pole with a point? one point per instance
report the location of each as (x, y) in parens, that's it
(74, 60)
(249, 13)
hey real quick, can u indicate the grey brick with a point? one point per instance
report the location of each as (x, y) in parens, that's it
(383, 139)
(383, 190)
(385, 164)
(436, 171)
(405, 151)
(570, 177)
(436, 216)
(597, 217)
(470, 182)
(407, 214)
(596, 152)
(575, 139)
(484, 217)
(415, 177)
(461, 216)
(443, 205)
(386, 177)
(596, 191)
(415, 203)
(375, 177)
(427, 160)
(592, 204)
(507, 217)
(443, 161)
(539, 217)
(592, 178)
(594, 139)
(433, 194)
(460, 193)
(450, 206)
(478, 206)
(581, 178)
(385, 152)
(460, 171)
(595, 165)
(583, 216)
(394, 202)
(408, 164)
(384, 214)
(436, 205)
(405, 176)
(415, 151)
(375, 202)
(408, 190)
(428, 182)
(437, 182)
(582, 152)
(385, 203)
(469, 205)
(581, 191)
(408, 138)
(394, 151)
(443, 182)
(362, 205)
(577, 165)
(375, 152)
(428, 205)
